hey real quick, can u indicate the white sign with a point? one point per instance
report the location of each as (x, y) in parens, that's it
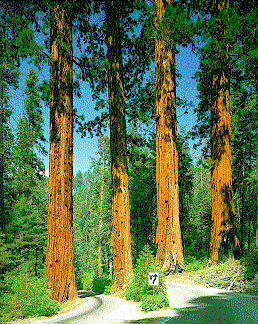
(153, 278)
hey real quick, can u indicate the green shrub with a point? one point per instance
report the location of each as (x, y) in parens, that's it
(99, 284)
(192, 264)
(250, 262)
(28, 297)
(87, 280)
(78, 280)
(107, 289)
(254, 284)
(137, 286)
(153, 303)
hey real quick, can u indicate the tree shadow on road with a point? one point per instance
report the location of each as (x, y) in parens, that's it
(228, 308)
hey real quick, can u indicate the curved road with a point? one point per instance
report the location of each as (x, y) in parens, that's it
(192, 305)
(197, 305)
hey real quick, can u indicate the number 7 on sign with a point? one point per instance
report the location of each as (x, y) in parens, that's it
(153, 278)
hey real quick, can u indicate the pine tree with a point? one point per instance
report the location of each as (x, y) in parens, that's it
(60, 272)
(26, 228)
(168, 237)
(141, 154)
(223, 226)
(214, 114)
(8, 79)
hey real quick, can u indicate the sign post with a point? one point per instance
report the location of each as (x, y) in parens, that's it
(153, 278)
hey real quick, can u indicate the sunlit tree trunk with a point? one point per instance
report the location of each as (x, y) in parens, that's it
(60, 272)
(223, 227)
(168, 236)
(121, 236)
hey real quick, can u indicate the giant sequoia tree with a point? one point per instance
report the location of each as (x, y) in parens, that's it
(60, 273)
(121, 236)
(168, 237)
(223, 226)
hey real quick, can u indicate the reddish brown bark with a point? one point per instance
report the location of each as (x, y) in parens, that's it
(168, 236)
(121, 236)
(223, 227)
(60, 272)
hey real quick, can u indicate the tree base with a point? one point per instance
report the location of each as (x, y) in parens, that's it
(174, 268)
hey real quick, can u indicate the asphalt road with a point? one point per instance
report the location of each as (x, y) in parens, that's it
(99, 309)
(192, 305)
(197, 305)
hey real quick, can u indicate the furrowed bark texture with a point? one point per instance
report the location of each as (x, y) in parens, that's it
(121, 236)
(60, 272)
(223, 227)
(168, 235)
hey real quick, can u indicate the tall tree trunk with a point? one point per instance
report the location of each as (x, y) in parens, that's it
(168, 236)
(121, 236)
(223, 227)
(60, 272)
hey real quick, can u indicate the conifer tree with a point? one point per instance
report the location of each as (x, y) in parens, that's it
(26, 227)
(8, 78)
(223, 223)
(121, 236)
(220, 56)
(60, 272)
(168, 236)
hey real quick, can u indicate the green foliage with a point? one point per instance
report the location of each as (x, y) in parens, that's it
(99, 284)
(176, 27)
(18, 35)
(27, 297)
(156, 302)
(87, 280)
(5, 255)
(88, 210)
(138, 288)
(186, 189)
(250, 262)
(26, 229)
(142, 198)
(244, 158)
(107, 289)
(254, 285)
(196, 242)
(193, 264)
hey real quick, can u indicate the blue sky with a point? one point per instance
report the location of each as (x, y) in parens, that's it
(187, 64)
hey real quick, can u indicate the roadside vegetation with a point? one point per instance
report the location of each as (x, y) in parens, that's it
(26, 296)
(138, 288)
(233, 275)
